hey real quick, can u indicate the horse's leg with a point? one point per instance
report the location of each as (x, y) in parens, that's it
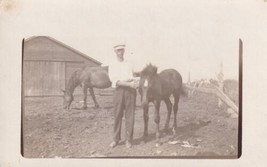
(169, 108)
(157, 121)
(146, 117)
(175, 110)
(84, 96)
(91, 90)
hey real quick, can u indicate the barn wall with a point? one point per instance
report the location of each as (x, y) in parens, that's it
(48, 65)
(46, 78)
(43, 78)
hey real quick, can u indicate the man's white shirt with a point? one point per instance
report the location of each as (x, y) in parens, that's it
(120, 71)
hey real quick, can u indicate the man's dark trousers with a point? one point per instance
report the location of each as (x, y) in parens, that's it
(124, 99)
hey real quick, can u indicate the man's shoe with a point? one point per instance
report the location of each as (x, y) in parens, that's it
(128, 144)
(113, 144)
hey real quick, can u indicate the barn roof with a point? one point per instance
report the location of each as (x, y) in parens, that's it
(66, 46)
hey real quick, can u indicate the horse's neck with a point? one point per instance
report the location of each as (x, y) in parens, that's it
(73, 83)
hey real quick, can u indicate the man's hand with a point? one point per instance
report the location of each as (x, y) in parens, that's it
(134, 84)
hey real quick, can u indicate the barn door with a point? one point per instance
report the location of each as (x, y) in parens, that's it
(43, 78)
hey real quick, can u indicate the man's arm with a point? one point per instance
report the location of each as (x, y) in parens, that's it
(133, 81)
(131, 84)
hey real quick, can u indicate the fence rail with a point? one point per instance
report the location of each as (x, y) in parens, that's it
(217, 92)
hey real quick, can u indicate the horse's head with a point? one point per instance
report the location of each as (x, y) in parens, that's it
(68, 98)
(147, 84)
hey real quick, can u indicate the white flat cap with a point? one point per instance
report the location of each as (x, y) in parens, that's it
(119, 47)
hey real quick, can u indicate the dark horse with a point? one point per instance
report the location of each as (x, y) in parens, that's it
(87, 77)
(155, 87)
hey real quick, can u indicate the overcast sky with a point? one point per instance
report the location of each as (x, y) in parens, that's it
(190, 36)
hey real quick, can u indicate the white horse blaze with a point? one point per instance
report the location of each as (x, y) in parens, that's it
(145, 83)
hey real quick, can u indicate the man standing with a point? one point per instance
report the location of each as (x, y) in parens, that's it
(124, 98)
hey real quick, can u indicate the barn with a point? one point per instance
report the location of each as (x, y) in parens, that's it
(48, 64)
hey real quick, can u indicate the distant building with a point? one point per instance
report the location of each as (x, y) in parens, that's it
(48, 64)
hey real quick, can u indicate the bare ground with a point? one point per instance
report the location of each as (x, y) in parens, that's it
(204, 131)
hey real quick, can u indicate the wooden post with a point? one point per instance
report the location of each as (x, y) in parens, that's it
(225, 98)
(220, 78)
(189, 79)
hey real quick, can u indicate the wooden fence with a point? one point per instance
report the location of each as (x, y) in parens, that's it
(222, 96)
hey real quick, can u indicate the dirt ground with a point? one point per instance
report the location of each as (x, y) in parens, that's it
(204, 131)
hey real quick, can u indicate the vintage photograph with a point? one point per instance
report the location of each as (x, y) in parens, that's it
(133, 83)
(75, 106)
(131, 80)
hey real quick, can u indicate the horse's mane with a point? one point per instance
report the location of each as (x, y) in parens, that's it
(149, 70)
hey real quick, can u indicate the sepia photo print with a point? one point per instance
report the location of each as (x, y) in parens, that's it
(134, 81)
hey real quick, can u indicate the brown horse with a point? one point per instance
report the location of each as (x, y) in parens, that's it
(155, 87)
(87, 77)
